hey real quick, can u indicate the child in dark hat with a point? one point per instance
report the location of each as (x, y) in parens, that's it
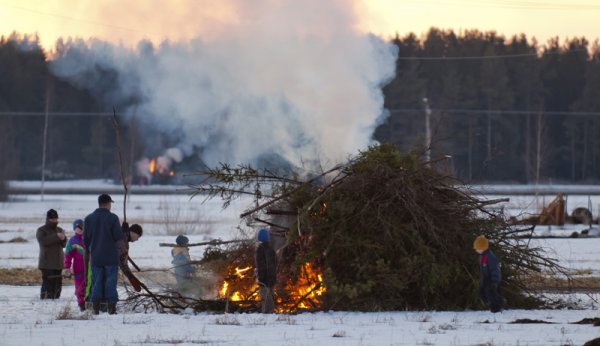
(184, 272)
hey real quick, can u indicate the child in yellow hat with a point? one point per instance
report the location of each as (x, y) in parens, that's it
(491, 276)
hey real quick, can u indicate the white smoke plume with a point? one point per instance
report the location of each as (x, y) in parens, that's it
(293, 78)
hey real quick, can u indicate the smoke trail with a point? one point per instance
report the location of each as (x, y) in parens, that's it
(288, 78)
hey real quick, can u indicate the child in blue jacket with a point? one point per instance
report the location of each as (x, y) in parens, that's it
(184, 272)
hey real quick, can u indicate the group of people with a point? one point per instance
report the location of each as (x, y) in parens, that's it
(92, 256)
(100, 246)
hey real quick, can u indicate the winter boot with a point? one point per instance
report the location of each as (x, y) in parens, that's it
(103, 306)
(82, 307)
(112, 309)
(96, 307)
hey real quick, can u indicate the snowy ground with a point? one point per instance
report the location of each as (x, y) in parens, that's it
(27, 320)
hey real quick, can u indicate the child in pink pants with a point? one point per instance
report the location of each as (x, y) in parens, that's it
(74, 255)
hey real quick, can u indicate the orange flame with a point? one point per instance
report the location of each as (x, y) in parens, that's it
(235, 277)
(305, 292)
(152, 166)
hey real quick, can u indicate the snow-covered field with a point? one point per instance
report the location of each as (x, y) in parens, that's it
(25, 320)
(28, 321)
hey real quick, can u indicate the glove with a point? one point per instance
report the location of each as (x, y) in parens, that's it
(125, 226)
(67, 273)
(137, 285)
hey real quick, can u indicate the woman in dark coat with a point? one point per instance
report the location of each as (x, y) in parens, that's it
(52, 240)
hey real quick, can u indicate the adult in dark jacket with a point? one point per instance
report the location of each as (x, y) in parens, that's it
(490, 275)
(266, 271)
(101, 235)
(52, 240)
(130, 235)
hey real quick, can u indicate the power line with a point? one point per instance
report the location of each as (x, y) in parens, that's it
(484, 57)
(523, 5)
(82, 20)
(392, 110)
(538, 5)
(493, 111)
(78, 114)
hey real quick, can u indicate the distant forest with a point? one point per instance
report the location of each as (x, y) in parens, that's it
(504, 109)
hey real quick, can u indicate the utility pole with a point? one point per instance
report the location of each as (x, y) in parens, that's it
(44, 145)
(427, 130)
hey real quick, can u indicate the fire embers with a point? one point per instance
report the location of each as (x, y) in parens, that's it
(303, 292)
(240, 285)
(294, 293)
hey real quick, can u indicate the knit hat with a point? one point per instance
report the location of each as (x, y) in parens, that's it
(78, 222)
(263, 235)
(135, 228)
(182, 240)
(51, 214)
(481, 243)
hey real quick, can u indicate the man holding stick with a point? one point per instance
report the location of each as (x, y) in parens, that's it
(130, 235)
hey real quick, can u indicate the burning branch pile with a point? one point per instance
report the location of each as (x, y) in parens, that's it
(383, 232)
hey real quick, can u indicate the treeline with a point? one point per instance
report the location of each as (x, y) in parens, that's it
(80, 139)
(504, 109)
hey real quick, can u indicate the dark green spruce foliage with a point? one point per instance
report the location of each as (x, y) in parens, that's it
(397, 235)
(388, 233)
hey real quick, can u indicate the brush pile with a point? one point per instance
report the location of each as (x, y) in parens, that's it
(384, 231)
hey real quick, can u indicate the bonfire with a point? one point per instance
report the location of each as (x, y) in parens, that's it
(384, 231)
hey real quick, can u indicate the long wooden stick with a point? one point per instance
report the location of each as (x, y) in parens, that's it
(271, 224)
(133, 263)
(116, 126)
(295, 306)
(210, 242)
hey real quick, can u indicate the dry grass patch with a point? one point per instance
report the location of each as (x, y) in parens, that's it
(67, 314)
(591, 284)
(20, 276)
(15, 240)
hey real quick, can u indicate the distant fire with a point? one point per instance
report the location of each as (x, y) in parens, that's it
(161, 166)
(152, 168)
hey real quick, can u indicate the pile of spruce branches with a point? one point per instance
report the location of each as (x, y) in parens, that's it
(387, 230)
